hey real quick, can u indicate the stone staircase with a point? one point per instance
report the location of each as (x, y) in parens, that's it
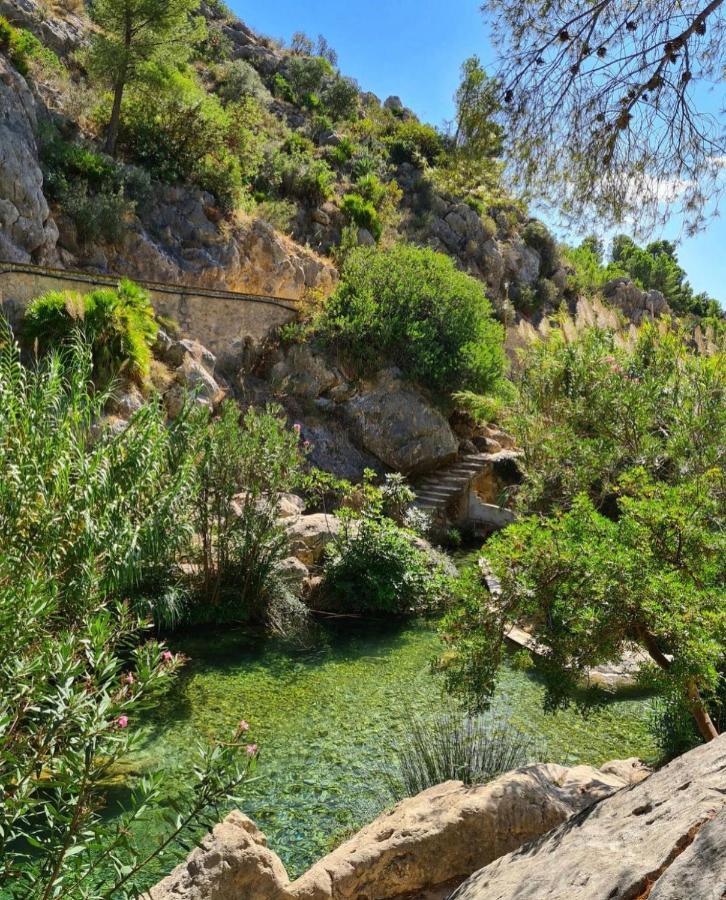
(435, 491)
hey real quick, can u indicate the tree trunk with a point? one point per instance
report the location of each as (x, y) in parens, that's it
(696, 706)
(113, 125)
(118, 88)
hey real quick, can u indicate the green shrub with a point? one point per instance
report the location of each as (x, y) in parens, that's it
(281, 88)
(119, 325)
(371, 188)
(293, 171)
(306, 76)
(100, 216)
(243, 468)
(536, 236)
(363, 213)
(340, 98)
(23, 49)
(416, 309)
(456, 747)
(414, 142)
(373, 566)
(237, 79)
(342, 152)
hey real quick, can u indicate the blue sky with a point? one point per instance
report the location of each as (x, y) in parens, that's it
(414, 48)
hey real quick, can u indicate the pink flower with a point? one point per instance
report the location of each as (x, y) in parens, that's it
(243, 726)
(122, 721)
(297, 427)
(129, 678)
(167, 656)
(251, 749)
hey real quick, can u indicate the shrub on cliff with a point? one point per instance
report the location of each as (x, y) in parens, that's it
(413, 307)
(119, 324)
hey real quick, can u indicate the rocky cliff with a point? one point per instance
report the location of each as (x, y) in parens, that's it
(181, 232)
(664, 839)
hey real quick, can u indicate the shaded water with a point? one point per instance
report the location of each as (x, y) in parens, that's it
(327, 721)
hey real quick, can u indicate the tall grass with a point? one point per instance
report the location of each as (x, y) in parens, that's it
(454, 746)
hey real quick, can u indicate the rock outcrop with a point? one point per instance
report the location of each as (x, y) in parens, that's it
(434, 839)
(664, 839)
(637, 305)
(392, 420)
(27, 230)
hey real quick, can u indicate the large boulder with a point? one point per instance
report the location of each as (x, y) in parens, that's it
(392, 420)
(27, 231)
(304, 373)
(664, 839)
(309, 535)
(433, 839)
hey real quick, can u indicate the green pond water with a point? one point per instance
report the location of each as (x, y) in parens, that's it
(328, 720)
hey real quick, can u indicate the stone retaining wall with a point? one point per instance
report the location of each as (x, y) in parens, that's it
(221, 320)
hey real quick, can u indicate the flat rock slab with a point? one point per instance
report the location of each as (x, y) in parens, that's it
(664, 839)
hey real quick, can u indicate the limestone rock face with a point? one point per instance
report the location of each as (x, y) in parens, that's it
(27, 231)
(304, 373)
(392, 420)
(664, 839)
(179, 240)
(636, 304)
(63, 31)
(434, 839)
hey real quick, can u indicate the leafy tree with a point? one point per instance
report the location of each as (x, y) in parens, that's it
(591, 406)
(602, 105)
(623, 452)
(133, 34)
(413, 307)
(471, 164)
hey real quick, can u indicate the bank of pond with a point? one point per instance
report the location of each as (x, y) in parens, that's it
(329, 717)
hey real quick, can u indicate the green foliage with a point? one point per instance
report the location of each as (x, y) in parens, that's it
(237, 79)
(119, 325)
(656, 267)
(134, 38)
(588, 409)
(243, 467)
(537, 236)
(372, 564)
(623, 448)
(470, 167)
(340, 98)
(293, 171)
(26, 52)
(414, 142)
(418, 311)
(180, 132)
(88, 524)
(455, 747)
(363, 213)
(306, 76)
(590, 273)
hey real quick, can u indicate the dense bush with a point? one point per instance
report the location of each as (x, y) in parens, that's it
(25, 50)
(89, 525)
(593, 405)
(363, 213)
(242, 469)
(237, 79)
(417, 310)
(414, 142)
(293, 171)
(119, 325)
(373, 566)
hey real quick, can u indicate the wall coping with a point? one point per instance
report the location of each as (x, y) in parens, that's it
(161, 287)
